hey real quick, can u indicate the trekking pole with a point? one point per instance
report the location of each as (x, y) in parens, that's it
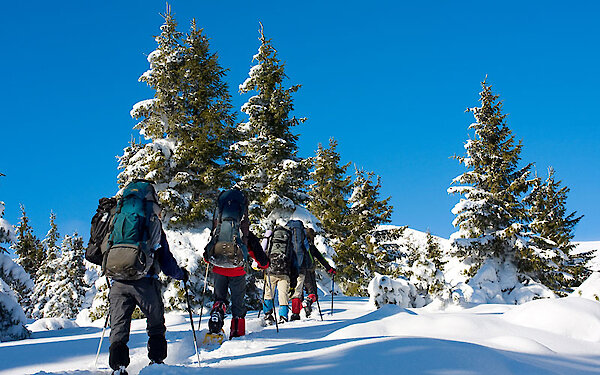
(203, 294)
(263, 296)
(105, 325)
(332, 288)
(274, 310)
(187, 297)
(319, 306)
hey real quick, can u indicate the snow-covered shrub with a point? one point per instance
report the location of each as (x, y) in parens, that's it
(590, 288)
(384, 290)
(12, 317)
(499, 282)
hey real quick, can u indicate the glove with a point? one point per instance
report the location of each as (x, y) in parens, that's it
(186, 275)
(331, 271)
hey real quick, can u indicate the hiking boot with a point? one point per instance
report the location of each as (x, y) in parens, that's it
(283, 319)
(269, 319)
(217, 317)
(307, 306)
(294, 317)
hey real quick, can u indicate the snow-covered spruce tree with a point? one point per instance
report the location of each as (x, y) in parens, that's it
(329, 191)
(188, 124)
(272, 174)
(490, 215)
(46, 272)
(66, 292)
(27, 246)
(12, 278)
(5, 230)
(428, 272)
(30, 254)
(355, 256)
(549, 257)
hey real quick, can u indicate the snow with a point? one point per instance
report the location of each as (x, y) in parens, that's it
(590, 288)
(51, 324)
(553, 336)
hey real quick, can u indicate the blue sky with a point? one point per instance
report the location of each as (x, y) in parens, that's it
(389, 80)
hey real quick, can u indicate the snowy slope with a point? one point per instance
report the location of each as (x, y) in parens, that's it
(558, 336)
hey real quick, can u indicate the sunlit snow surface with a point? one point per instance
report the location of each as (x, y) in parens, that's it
(557, 336)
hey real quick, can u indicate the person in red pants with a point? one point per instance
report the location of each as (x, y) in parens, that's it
(231, 245)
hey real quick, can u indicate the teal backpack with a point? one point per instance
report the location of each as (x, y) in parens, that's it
(135, 233)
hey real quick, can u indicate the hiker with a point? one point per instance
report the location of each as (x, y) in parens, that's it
(137, 251)
(227, 252)
(310, 280)
(277, 276)
(302, 261)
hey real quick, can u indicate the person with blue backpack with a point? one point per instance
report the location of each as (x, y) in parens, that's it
(302, 261)
(231, 244)
(136, 252)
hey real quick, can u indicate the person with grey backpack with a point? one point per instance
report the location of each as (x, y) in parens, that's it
(135, 252)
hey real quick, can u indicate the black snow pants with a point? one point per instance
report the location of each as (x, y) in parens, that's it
(237, 286)
(310, 283)
(123, 298)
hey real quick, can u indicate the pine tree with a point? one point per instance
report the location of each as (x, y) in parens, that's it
(46, 271)
(188, 123)
(27, 246)
(273, 175)
(13, 280)
(66, 293)
(30, 254)
(5, 230)
(491, 214)
(355, 254)
(329, 192)
(549, 257)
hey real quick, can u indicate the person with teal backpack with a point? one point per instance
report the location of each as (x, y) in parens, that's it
(136, 252)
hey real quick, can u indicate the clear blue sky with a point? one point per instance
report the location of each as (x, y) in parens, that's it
(389, 80)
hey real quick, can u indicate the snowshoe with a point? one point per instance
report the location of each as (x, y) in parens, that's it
(294, 317)
(120, 371)
(217, 317)
(283, 319)
(212, 340)
(269, 320)
(307, 306)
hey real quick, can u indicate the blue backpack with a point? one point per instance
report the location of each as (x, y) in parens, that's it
(135, 233)
(302, 257)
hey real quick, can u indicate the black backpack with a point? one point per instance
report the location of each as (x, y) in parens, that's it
(100, 230)
(226, 248)
(279, 251)
(135, 233)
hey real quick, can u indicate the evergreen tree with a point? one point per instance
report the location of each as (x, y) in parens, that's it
(46, 272)
(273, 175)
(188, 123)
(491, 214)
(66, 293)
(355, 254)
(27, 246)
(13, 280)
(549, 257)
(329, 192)
(5, 230)
(30, 255)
